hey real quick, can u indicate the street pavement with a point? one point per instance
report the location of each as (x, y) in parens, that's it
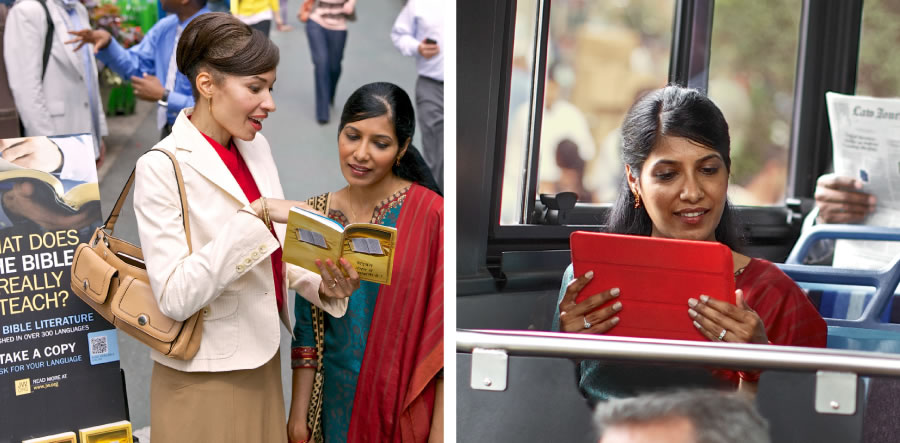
(306, 152)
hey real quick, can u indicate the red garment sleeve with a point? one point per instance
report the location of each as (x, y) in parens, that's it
(790, 318)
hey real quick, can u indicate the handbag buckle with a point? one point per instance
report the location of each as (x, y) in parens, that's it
(100, 236)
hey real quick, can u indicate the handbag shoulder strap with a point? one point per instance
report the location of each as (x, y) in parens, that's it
(48, 38)
(114, 215)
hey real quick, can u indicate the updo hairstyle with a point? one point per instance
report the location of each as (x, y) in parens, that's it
(221, 44)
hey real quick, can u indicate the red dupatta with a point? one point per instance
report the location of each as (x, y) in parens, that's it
(790, 318)
(395, 392)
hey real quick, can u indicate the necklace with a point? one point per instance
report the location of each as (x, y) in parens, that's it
(353, 210)
(350, 206)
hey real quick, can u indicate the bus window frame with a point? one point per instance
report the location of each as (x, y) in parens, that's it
(480, 245)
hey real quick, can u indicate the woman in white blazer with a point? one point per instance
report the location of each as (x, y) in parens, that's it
(231, 390)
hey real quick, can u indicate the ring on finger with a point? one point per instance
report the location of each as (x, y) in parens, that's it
(333, 283)
(722, 334)
(587, 324)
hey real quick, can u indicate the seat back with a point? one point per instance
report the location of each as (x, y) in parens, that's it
(857, 305)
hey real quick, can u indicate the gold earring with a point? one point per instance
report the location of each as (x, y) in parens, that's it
(398, 160)
(209, 102)
(637, 200)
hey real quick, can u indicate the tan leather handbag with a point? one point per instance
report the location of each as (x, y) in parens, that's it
(109, 275)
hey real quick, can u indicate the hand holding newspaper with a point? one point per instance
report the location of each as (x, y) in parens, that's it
(368, 247)
(865, 133)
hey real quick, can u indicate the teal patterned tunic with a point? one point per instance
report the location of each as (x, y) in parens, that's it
(345, 337)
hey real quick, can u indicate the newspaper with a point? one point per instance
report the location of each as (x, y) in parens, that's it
(865, 132)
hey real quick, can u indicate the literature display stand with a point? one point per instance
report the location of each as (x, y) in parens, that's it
(59, 360)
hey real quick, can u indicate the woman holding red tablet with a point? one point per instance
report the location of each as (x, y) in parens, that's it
(676, 150)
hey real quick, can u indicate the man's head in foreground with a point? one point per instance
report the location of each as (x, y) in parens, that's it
(695, 416)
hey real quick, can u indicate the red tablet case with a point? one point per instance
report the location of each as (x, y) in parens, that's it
(656, 276)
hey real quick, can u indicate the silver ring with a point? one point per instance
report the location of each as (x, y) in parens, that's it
(722, 334)
(333, 283)
(587, 324)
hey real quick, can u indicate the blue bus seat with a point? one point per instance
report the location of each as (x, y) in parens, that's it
(847, 302)
(858, 305)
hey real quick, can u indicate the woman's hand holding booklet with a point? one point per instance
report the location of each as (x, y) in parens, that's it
(369, 248)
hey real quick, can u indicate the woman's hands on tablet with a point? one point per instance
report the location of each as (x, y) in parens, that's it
(721, 321)
(578, 317)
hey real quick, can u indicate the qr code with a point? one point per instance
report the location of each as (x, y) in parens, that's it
(99, 345)
(23, 386)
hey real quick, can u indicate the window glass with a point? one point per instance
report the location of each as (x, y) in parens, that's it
(753, 59)
(519, 98)
(601, 56)
(878, 74)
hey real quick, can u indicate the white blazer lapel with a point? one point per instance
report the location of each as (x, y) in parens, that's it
(61, 28)
(204, 158)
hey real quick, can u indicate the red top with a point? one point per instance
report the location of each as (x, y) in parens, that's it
(238, 168)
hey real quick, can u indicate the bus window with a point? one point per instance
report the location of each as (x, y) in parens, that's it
(520, 87)
(601, 57)
(753, 59)
(878, 74)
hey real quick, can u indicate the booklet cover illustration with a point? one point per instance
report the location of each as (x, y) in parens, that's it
(50, 169)
(368, 247)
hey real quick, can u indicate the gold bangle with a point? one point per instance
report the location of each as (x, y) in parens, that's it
(266, 219)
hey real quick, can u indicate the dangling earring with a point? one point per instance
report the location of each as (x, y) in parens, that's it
(209, 102)
(637, 200)
(398, 160)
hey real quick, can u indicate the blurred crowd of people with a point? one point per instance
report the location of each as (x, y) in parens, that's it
(52, 51)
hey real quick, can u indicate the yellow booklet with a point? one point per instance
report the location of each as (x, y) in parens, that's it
(368, 247)
(118, 432)
(65, 437)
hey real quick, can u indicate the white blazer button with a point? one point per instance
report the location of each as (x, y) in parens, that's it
(240, 268)
(255, 255)
(205, 312)
(247, 261)
(262, 249)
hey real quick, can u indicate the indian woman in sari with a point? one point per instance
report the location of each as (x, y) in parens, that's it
(383, 361)
(677, 157)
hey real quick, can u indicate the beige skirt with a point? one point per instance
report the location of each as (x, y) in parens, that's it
(222, 407)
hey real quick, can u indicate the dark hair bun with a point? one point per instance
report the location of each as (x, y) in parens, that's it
(223, 44)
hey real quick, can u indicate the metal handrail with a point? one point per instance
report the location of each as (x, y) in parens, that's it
(725, 355)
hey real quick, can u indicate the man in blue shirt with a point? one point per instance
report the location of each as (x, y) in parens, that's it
(151, 63)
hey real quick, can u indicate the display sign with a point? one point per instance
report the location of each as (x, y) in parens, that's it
(59, 361)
